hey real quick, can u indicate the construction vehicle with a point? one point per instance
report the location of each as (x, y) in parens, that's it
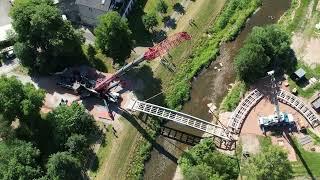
(278, 118)
(102, 87)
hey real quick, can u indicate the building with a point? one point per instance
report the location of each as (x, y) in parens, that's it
(316, 104)
(90, 10)
(299, 75)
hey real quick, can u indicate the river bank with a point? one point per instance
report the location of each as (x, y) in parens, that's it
(196, 106)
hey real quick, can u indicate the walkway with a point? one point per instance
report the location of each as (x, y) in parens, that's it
(293, 101)
(178, 117)
(239, 115)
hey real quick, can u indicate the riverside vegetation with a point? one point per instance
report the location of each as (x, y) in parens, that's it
(225, 28)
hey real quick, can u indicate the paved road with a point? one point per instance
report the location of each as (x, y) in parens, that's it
(4, 11)
(9, 66)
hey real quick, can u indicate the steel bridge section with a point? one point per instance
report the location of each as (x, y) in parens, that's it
(181, 118)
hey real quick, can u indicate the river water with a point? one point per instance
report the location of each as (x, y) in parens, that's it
(209, 87)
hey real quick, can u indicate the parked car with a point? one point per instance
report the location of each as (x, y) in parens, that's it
(9, 55)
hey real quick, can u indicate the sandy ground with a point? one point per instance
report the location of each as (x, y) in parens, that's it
(304, 43)
(178, 175)
(306, 49)
(250, 143)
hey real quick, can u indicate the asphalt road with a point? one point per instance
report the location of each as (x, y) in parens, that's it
(4, 11)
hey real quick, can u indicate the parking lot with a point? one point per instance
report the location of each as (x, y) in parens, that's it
(4, 11)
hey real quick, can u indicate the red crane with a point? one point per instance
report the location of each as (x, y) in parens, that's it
(152, 53)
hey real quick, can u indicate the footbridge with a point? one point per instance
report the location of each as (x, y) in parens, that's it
(181, 118)
(240, 113)
(293, 101)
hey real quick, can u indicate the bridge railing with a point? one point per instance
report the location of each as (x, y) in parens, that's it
(240, 113)
(181, 118)
(293, 101)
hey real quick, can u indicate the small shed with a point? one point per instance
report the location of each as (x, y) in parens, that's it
(299, 74)
(316, 104)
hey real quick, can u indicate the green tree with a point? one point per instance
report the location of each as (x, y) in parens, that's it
(265, 48)
(69, 120)
(162, 7)
(78, 146)
(18, 100)
(63, 166)
(150, 21)
(18, 160)
(206, 159)
(113, 36)
(6, 131)
(271, 164)
(32, 101)
(11, 95)
(49, 41)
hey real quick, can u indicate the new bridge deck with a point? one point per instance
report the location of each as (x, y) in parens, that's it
(181, 118)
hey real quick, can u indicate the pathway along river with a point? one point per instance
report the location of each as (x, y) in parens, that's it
(209, 86)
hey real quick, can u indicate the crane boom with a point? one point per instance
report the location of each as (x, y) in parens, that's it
(152, 53)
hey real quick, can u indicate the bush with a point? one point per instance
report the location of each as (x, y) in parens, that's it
(233, 98)
(162, 7)
(203, 161)
(150, 21)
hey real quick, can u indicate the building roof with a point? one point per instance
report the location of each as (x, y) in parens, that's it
(300, 73)
(103, 5)
(316, 103)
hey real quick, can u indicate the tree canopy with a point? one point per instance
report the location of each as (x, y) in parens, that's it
(18, 160)
(63, 166)
(271, 164)
(266, 48)
(45, 40)
(78, 145)
(113, 36)
(162, 7)
(18, 100)
(203, 161)
(69, 120)
(150, 21)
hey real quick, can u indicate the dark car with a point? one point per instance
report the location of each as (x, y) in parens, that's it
(10, 55)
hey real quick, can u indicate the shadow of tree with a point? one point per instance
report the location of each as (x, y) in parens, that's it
(141, 36)
(146, 85)
(179, 8)
(298, 152)
(171, 23)
(135, 122)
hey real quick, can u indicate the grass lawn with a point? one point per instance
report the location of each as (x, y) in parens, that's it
(309, 74)
(151, 6)
(312, 161)
(104, 150)
(316, 138)
(308, 163)
(181, 53)
(114, 155)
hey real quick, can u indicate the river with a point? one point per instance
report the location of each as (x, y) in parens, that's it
(210, 86)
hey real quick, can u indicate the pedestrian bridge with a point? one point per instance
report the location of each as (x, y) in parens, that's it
(181, 118)
(293, 101)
